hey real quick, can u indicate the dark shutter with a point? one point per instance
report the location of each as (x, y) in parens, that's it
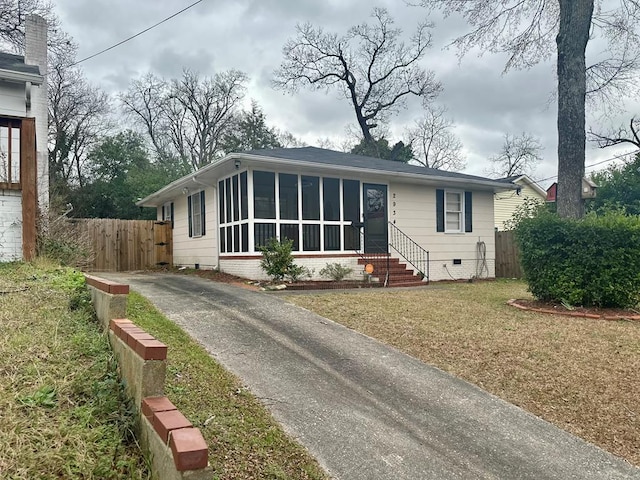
(171, 215)
(202, 219)
(468, 209)
(439, 210)
(189, 214)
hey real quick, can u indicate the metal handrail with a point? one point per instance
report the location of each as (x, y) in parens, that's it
(408, 249)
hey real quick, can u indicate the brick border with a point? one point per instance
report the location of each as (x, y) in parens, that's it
(514, 303)
(166, 431)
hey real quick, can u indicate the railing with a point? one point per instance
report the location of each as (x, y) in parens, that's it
(408, 249)
(380, 260)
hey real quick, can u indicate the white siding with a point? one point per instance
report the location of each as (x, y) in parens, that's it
(10, 225)
(191, 251)
(506, 203)
(414, 212)
(13, 99)
(411, 207)
(250, 268)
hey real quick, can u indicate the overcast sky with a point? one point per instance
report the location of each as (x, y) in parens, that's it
(248, 35)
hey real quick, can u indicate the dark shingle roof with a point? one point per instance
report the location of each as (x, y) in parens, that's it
(15, 63)
(331, 157)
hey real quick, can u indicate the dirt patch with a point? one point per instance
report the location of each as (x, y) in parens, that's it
(570, 311)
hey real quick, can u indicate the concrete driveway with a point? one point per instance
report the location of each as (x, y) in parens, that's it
(363, 409)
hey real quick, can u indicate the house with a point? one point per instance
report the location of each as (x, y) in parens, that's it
(588, 190)
(507, 203)
(337, 208)
(24, 182)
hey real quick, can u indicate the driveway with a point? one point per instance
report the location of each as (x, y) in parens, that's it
(363, 409)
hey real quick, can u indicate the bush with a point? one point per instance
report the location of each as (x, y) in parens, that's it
(277, 260)
(64, 241)
(335, 271)
(594, 261)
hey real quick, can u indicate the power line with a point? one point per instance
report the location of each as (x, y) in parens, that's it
(137, 34)
(615, 157)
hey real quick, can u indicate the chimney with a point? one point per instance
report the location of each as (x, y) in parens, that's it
(36, 54)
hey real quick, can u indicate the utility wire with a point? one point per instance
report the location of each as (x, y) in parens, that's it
(137, 34)
(615, 157)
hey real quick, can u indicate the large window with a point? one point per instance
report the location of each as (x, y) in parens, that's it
(331, 197)
(264, 194)
(310, 198)
(9, 151)
(234, 214)
(314, 212)
(288, 196)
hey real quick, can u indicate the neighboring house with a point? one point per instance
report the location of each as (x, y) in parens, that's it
(337, 208)
(507, 203)
(589, 190)
(24, 182)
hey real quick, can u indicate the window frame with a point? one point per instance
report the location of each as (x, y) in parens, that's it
(459, 213)
(196, 213)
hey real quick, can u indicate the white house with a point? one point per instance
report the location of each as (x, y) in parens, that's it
(337, 208)
(24, 181)
(507, 203)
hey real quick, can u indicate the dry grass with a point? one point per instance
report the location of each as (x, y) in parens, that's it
(62, 410)
(582, 375)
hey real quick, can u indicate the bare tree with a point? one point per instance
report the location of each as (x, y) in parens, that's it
(13, 14)
(433, 142)
(618, 136)
(532, 30)
(78, 117)
(186, 119)
(519, 155)
(370, 65)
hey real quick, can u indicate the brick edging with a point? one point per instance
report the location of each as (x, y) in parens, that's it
(145, 345)
(108, 286)
(188, 446)
(514, 303)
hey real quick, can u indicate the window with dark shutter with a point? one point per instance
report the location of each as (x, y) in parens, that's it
(468, 212)
(189, 215)
(439, 210)
(202, 216)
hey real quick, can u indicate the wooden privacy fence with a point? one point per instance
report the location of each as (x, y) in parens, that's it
(124, 245)
(507, 256)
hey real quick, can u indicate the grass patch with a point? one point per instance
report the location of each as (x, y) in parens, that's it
(244, 440)
(580, 374)
(62, 409)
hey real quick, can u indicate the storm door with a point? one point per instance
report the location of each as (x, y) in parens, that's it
(375, 218)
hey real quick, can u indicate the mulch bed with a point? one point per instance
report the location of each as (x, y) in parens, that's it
(583, 312)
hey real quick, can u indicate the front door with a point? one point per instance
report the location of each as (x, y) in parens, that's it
(375, 218)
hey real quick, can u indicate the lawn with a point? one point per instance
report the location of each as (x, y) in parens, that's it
(62, 409)
(580, 374)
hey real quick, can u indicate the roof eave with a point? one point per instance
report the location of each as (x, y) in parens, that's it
(497, 186)
(157, 198)
(20, 77)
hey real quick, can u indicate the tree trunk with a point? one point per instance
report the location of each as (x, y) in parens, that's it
(573, 35)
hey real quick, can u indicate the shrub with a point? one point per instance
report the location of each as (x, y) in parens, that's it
(296, 272)
(335, 271)
(64, 241)
(277, 260)
(594, 261)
